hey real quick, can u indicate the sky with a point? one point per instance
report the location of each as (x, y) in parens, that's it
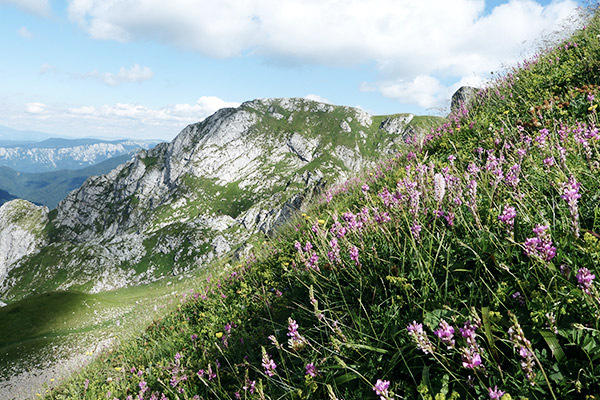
(145, 69)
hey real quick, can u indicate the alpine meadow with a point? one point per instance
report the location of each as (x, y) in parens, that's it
(460, 265)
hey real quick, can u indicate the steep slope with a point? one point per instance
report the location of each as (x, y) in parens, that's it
(466, 269)
(179, 205)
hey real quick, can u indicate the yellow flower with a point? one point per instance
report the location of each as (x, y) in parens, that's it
(506, 112)
(321, 221)
(118, 369)
(51, 379)
(219, 335)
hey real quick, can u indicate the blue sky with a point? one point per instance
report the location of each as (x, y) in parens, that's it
(146, 68)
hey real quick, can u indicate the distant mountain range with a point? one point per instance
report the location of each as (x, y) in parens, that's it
(58, 153)
(48, 188)
(43, 169)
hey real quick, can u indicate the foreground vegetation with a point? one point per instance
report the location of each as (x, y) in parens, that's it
(463, 269)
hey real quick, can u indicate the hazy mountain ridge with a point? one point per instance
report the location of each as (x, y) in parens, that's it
(181, 204)
(48, 188)
(58, 154)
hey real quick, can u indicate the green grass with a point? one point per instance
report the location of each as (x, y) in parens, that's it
(346, 299)
(42, 330)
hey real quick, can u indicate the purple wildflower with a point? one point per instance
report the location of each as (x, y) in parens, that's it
(268, 364)
(296, 341)
(470, 358)
(517, 337)
(512, 176)
(495, 393)
(381, 389)
(571, 195)
(419, 336)
(508, 217)
(354, 255)
(468, 332)
(446, 334)
(585, 280)
(415, 230)
(334, 253)
(541, 245)
(311, 370)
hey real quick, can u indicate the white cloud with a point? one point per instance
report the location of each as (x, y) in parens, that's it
(36, 108)
(117, 120)
(316, 97)
(25, 33)
(405, 40)
(424, 90)
(46, 68)
(131, 75)
(37, 7)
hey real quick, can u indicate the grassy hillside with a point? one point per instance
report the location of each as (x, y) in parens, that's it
(465, 269)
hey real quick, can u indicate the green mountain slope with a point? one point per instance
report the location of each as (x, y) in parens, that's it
(465, 269)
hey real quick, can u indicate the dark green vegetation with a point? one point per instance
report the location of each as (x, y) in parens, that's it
(463, 269)
(5, 196)
(48, 188)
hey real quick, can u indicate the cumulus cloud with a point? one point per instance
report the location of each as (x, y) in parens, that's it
(405, 40)
(131, 75)
(37, 7)
(118, 120)
(25, 33)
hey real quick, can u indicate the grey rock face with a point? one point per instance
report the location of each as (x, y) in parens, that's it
(464, 95)
(21, 225)
(396, 125)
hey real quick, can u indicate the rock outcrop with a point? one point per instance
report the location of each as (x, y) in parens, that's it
(464, 95)
(21, 232)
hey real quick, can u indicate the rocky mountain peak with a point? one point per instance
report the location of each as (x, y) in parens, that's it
(240, 172)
